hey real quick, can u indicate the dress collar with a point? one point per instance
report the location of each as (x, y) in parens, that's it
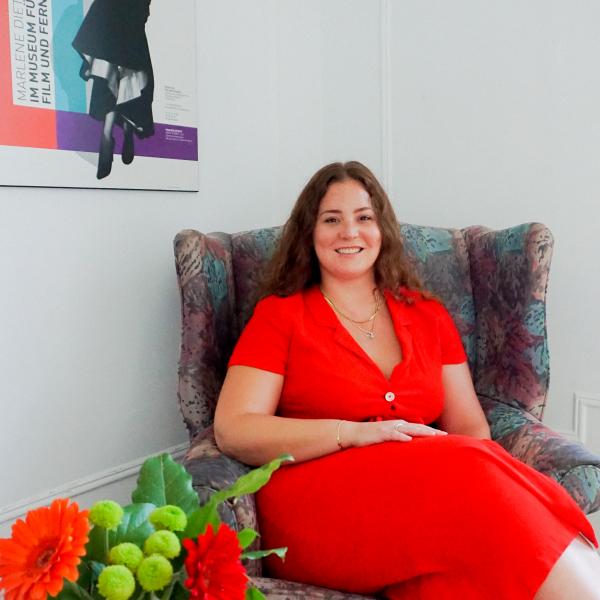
(325, 315)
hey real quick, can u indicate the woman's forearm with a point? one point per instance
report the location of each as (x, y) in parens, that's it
(255, 439)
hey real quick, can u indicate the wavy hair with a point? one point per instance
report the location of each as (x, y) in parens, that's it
(294, 265)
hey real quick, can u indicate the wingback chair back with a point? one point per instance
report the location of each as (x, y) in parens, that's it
(492, 282)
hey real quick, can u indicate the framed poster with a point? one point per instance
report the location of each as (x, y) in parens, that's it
(98, 93)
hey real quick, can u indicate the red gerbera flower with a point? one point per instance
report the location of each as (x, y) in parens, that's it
(43, 551)
(213, 565)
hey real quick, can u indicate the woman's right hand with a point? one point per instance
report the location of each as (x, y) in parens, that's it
(397, 430)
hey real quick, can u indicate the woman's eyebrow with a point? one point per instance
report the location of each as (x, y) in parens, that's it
(338, 211)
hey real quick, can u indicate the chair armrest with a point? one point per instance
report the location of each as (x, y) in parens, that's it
(278, 589)
(509, 273)
(211, 471)
(570, 463)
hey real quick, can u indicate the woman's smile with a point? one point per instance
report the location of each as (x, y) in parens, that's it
(352, 250)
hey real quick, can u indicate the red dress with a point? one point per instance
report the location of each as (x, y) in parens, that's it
(444, 517)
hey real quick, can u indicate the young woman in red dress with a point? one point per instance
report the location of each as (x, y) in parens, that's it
(346, 364)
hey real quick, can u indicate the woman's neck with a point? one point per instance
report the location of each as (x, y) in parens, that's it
(353, 297)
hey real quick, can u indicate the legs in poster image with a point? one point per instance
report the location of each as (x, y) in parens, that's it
(127, 153)
(576, 574)
(107, 145)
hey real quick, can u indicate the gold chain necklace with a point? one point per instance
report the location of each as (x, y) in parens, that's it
(370, 333)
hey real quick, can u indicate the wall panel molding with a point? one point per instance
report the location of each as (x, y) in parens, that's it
(570, 434)
(386, 99)
(585, 405)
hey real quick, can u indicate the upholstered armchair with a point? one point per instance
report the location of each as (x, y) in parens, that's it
(492, 282)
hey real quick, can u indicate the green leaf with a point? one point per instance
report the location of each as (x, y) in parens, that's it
(253, 593)
(96, 568)
(95, 548)
(88, 573)
(246, 537)
(163, 481)
(251, 482)
(200, 518)
(85, 574)
(134, 527)
(262, 553)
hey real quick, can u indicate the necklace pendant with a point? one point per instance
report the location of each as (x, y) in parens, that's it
(370, 334)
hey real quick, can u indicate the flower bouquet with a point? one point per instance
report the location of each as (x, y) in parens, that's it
(162, 546)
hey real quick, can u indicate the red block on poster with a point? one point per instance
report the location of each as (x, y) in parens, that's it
(20, 125)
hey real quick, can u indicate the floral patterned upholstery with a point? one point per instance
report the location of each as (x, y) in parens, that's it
(492, 282)
(276, 589)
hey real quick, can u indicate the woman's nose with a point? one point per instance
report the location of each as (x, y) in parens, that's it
(349, 231)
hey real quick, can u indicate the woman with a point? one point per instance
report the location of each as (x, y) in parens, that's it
(112, 43)
(345, 364)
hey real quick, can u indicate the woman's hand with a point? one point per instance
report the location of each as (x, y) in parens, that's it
(398, 430)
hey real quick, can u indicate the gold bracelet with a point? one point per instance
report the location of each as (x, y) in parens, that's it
(339, 441)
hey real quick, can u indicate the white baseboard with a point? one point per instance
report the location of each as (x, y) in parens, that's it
(94, 485)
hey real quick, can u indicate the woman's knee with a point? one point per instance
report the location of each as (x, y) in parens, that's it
(575, 575)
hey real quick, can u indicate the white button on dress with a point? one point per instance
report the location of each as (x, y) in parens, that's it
(390, 396)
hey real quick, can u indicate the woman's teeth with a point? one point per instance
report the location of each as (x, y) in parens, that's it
(348, 250)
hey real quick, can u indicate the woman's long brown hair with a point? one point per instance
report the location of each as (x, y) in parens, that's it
(294, 265)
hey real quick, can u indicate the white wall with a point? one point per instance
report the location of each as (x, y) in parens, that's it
(470, 112)
(495, 121)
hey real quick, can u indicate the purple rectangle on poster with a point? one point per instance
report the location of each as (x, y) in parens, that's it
(79, 132)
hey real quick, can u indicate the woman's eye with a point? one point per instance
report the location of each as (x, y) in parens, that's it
(330, 220)
(366, 218)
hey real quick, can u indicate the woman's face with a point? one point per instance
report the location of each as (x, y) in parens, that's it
(347, 238)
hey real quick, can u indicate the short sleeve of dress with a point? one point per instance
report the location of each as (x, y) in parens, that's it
(264, 342)
(453, 352)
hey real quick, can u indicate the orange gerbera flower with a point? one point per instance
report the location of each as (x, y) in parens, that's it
(44, 550)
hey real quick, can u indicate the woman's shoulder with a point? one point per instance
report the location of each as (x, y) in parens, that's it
(417, 302)
(282, 305)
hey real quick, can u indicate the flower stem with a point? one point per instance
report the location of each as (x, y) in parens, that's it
(169, 590)
(105, 545)
(83, 592)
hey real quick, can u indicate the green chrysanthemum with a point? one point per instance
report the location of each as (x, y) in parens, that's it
(168, 517)
(116, 582)
(127, 554)
(107, 514)
(163, 542)
(154, 573)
